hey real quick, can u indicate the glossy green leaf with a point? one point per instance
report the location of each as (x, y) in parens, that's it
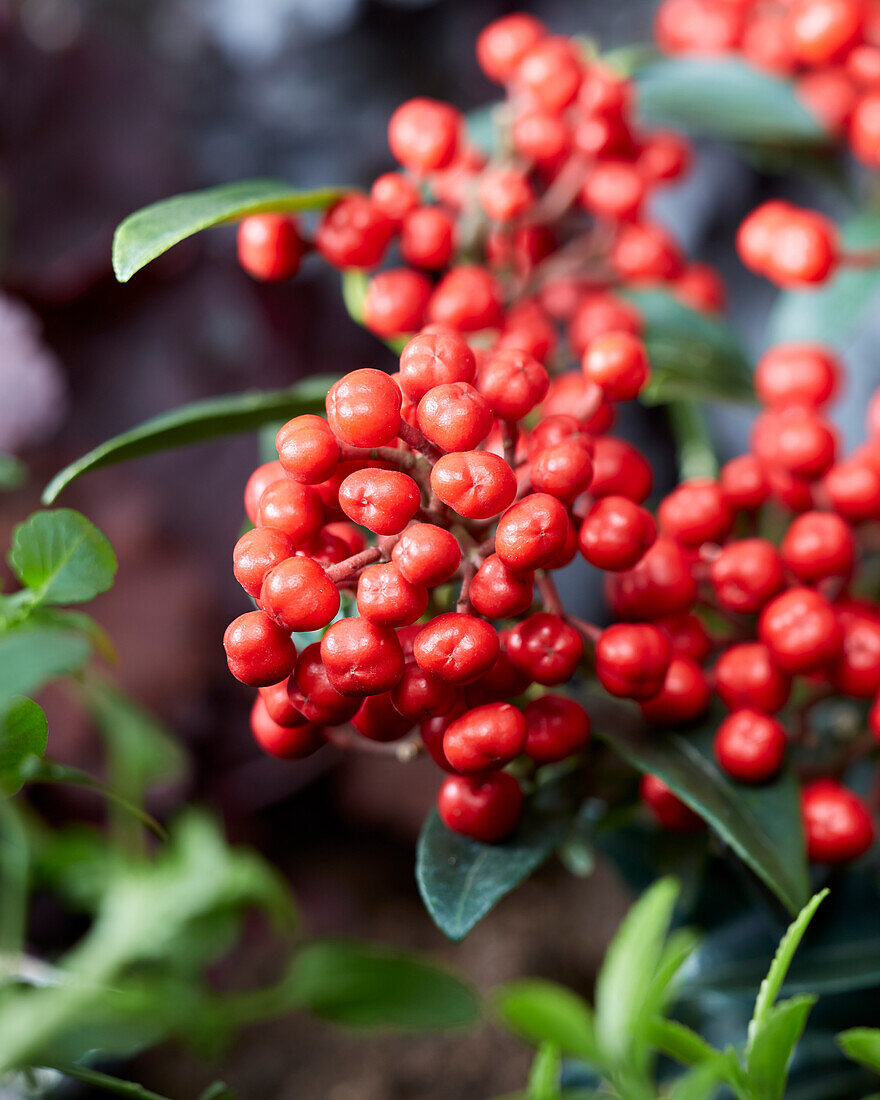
(62, 557)
(23, 736)
(831, 313)
(543, 1012)
(195, 423)
(862, 1045)
(694, 356)
(762, 824)
(725, 97)
(630, 964)
(460, 880)
(360, 986)
(771, 1050)
(151, 231)
(31, 656)
(782, 960)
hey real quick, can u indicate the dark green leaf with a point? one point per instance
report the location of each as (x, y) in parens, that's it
(151, 231)
(460, 880)
(62, 557)
(862, 1044)
(15, 861)
(31, 656)
(693, 355)
(830, 313)
(761, 824)
(542, 1012)
(360, 986)
(726, 98)
(217, 1091)
(195, 423)
(773, 1045)
(24, 734)
(13, 472)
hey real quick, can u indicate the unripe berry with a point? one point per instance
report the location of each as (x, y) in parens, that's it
(632, 660)
(485, 738)
(354, 232)
(746, 574)
(361, 658)
(476, 484)
(750, 746)
(457, 648)
(426, 555)
(546, 648)
(386, 597)
(616, 533)
(618, 364)
(531, 532)
(667, 808)
(423, 134)
(292, 508)
(557, 727)
(269, 246)
(432, 359)
(513, 382)
(255, 553)
(684, 697)
(363, 408)
(298, 595)
(801, 630)
(258, 651)
(285, 742)
(837, 824)
(746, 676)
(454, 416)
(486, 808)
(498, 592)
(384, 501)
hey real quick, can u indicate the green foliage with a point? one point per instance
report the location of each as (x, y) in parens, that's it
(24, 733)
(62, 557)
(153, 230)
(195, 423)
(541, 1012)
(862, 1044)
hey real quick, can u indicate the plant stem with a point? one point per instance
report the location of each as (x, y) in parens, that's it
(696, 455)
(106, 1083)
(870, 257)
(342, 570)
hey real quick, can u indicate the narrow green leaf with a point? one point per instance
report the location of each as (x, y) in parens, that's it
(761, 824)
(771, 1050)
(693, 443)
(24, 734)
(542, 1012)
(862, 1044)
(151, 231)
(772, 984)
(195, 423)
(725, 97)
(700, 1083)
(544, 1074)
(679, 1042)
(694, 356)
(360, 986)
(630, 964)
(31, 656)
(460, 880)
(831, 313)
(218, 1090)
(15, 864)
(62, 557)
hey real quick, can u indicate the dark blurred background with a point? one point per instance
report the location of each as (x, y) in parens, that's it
(106, 105)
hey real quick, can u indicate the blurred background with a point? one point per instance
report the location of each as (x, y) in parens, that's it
(106, 105)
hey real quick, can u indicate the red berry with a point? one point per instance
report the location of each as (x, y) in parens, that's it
(455, 416)
(313, 693)
(550, 73)
(361, 658)
(435, 359)
(546, 648)
(801, 630)
(646, 252)
(363, 408)
(805, 443)
(744, 483)
(386, 597)
(750, 746)
(384, 501)
(666, 156)
(427, 238)
(467, 298)
(255, 553)
(457, 648)
(298, 595)
(541, 137)
(853, 488)
(597, 315)
(476, 484)
(792, 246)
(618, 363)
(830, 95)
(292, 508)
(667, 808)
(857, 671)
(269, 246)
(354, 232)
(684, 697)
(797, 374)
(701, 287)
(505, 193)
(818, 545)
(695, 512)
(564, 469)
(502, 45)
(307, 449)
(746, 574)
(426, 555)
(258, 651)
(419, 694)
(660, 584)
(632, 660)
(285, 742)
(279, 705)
(483, 807)
(837, 824)
(378, 720)
(688, 636)
(395, 195)
(423, 134)
(257, 483)
(513, 382)
(485, 738)
(620, 470)
(396, 301)
(823, 30)
(557, 727)
(498, 592)
(864, 129)
(614, 189)
(532, 532)
(745, 676)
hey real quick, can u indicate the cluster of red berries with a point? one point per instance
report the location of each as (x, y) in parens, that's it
(439, 500)
(830, 48)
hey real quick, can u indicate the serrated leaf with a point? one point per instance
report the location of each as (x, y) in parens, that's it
(772, 984)
(31, 656)
(543, 1012)
(149, 232)
(460, 880)
(195, 423)
(862, 1045)
(831, 313)
(771, 1050)
(24, 735)
(725, 97)
(694, 356)
(62, 557)
(761, 824)
(631, 962)
(361, 986)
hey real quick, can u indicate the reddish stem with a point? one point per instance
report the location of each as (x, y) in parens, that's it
(342, 570)
(416, 439)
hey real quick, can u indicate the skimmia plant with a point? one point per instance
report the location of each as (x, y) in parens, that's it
(402, 539)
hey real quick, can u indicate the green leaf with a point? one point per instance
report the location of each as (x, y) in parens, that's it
(24, 734)
(62, 557)
(677, 1041)
(13, 472)
(694, 356)
(699, 1083)
(361, 986)
(862, 1044)
(543, 1012)
(195, 423)
(151, 231)
(217, 1091)
(15, 865)
(725, 98)
(544, 1075)
(771, 1050)
(630, 964)
(31, 656)
(772, 984)
(460, 880)
(762, 824)
(830, 313)
(695, 452)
